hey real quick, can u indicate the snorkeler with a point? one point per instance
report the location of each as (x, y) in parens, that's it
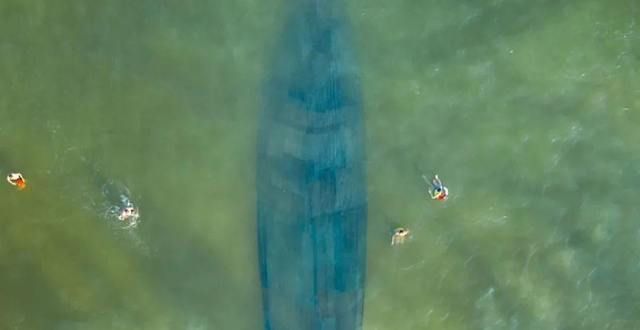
(399, 236)
(17, 180)
(437, 191)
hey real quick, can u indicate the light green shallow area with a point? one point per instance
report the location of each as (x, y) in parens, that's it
(160, 99)
(529, 112)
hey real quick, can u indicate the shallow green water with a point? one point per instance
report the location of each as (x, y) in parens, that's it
(529, 113)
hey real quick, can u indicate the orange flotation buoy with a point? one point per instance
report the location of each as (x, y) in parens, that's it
(17, 180)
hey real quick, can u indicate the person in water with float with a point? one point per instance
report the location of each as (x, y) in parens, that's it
(437, 191)
(17, 180)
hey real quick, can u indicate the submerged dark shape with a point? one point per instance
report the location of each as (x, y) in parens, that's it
(311, 191)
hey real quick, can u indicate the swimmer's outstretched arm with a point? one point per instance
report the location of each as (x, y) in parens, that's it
(436, 180)
(429, 185)
(433, 194)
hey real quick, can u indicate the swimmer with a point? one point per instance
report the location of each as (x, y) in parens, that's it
(399, 236)
(17, 180)
(129, 213)
(437, 191)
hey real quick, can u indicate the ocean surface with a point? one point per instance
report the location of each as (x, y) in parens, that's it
(529, 111)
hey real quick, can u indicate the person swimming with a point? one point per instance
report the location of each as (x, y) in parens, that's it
(17, 180)
(129, 213)
(399, 236)
(125, 212)
(437, 191)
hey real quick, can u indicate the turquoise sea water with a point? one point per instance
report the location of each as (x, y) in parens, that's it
(528, 111)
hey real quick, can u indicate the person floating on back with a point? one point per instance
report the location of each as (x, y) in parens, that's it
(17, 180)
(437, 191)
